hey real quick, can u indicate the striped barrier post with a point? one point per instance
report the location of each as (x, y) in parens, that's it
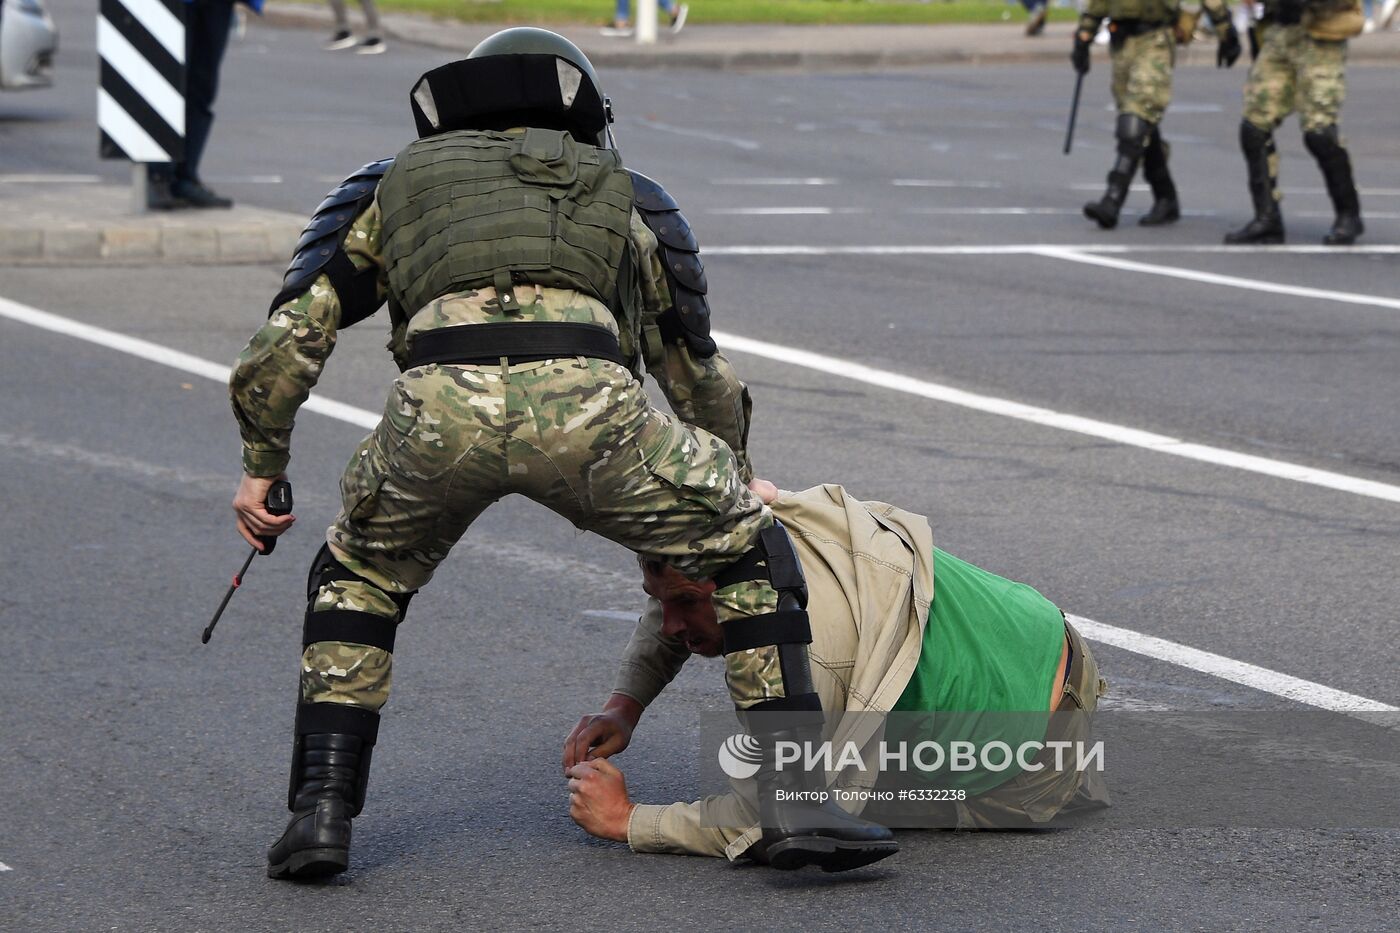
(141, 86)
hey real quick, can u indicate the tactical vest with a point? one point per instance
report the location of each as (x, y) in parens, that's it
(468, 209)
(1145, 11)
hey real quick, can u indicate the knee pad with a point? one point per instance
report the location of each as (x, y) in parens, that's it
(1323, 143)
(347, 625)
(788, 629)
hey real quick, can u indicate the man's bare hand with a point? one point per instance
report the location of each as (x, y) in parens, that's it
(598, 799)
(250, 510)
(763, 489)
(600, 735)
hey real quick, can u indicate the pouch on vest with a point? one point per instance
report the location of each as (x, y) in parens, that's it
(1334, 20)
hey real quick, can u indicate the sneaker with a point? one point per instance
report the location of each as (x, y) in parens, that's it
(617, 29)
(341, 40)
(371, 46)
(678, 18)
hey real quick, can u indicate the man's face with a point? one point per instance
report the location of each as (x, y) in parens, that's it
(686, 609)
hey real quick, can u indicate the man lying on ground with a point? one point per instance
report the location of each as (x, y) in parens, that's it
(885, 638)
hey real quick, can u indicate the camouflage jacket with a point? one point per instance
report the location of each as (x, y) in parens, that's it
(1165, 11)
(280, 365)
(869, 568)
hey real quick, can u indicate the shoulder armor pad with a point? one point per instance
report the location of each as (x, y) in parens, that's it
(319, 248)
(689, 315)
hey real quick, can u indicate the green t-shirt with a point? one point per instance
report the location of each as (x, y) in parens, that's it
(991, 646)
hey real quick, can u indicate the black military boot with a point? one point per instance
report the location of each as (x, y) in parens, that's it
(1326, 147)
(1132, 132)
(329, 773)
(799, 827)
(1261, 159)
(1165, 208)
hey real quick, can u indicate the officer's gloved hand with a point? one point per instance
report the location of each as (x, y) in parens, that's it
(1080, 55)
(1227, 52)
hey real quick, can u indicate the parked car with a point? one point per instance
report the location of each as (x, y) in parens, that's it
(28, 40)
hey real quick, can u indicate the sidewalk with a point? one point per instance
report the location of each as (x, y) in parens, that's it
(94, 223)
(764, 46)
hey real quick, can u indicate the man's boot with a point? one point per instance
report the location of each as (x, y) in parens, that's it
(1326, 147)
(330, 769)
(1165, 208)
(1261, 160)
(1132, 132)
(797, 830)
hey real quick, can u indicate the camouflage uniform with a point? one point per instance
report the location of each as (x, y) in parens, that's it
(1300, 66)
(577, 435)
(1143, 49)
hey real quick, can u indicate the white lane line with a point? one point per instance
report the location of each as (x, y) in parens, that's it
(783, 211)
(1240, 672)
(942, 183)
(1120, 434)
(4, 867)
(748, 145)
(1181, 655)
(1212, 278)
(1013, 249)
(775, 181)
(165, 356)
(41, 179)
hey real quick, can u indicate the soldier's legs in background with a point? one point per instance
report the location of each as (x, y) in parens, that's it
(1268, 98)
(1166, 208)
(1142, 88)
(409, 492)
(1321, 91)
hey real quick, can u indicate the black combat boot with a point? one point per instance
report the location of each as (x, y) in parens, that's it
(799, 827)
(329, 773)
(1132, 132)
(1165, 208)
(1260, 158)
(1326, 147)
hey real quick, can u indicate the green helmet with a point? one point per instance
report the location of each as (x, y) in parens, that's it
(523, 76)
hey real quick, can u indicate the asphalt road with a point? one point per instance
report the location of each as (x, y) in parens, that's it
(144, 774)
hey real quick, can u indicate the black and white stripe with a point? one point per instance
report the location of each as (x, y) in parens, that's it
(141, 94)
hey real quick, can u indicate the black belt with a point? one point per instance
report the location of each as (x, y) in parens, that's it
(484, 344)
(1123, 28)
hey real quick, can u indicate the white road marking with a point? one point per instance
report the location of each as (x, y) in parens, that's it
(1022, 249)
(1240, 672)
(1212, 278)
(39, 179)
(4, 867)
(783, 211)
(942, 183)
(775, 181)
(1120, 434)
(747, 145)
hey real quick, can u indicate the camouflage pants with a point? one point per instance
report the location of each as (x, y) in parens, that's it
(1142, 74)
(578, 436)
(1294, 71)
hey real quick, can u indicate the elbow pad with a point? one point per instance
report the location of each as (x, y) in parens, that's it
(688, 318)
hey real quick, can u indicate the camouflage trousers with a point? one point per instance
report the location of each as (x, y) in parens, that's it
(1142, 74)
(576, 435)
(1294, 71)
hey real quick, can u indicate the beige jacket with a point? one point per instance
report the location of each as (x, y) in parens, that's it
(869, 570)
